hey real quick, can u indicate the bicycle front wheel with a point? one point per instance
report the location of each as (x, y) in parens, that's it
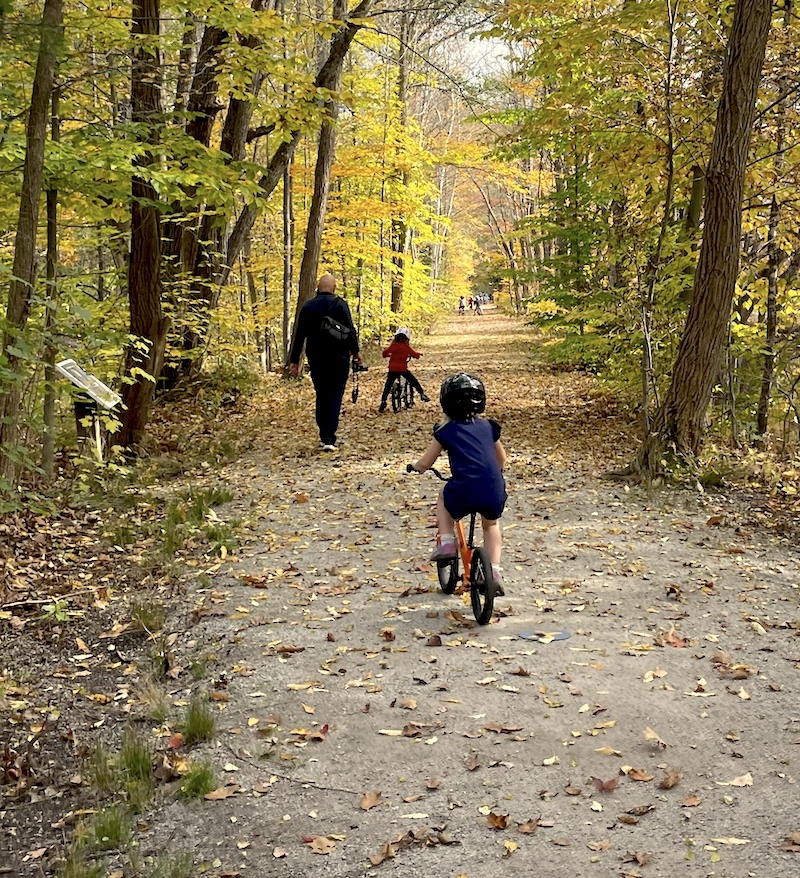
(448, 575)
(481, 586)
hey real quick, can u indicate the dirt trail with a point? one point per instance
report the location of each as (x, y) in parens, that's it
(661, 736)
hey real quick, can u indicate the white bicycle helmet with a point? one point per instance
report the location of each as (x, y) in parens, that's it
(404, 330)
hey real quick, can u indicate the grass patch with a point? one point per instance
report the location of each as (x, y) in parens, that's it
(190, 514)
(198, 723)
(136, 757)
(111, 829)
(136, 765)
(177, 866)
(149, 615)
(153, 696)
(198, 667)
(199, 781)
(77, 866)
(102, 771)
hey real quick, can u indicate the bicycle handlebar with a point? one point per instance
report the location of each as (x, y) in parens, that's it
(410, 469)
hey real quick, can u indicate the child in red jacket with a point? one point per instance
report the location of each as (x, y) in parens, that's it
(399, 353)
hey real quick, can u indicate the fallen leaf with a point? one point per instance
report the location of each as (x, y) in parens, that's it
(639, 774)
(671, 778)
(529, 826)
(509, 847)
(497, 820)
(223, 792)
(745, 780)
(278, 853)
(605, 786)
(691, 801)
(641, 810)
(730, 839)
(370, 800)
(320, 844)
(791, 843)
(650, 735)
(604, 845)
(607, 751)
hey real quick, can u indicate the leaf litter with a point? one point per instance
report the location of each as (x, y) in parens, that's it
(329, 587)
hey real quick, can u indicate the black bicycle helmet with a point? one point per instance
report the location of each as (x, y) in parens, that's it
(462, 396)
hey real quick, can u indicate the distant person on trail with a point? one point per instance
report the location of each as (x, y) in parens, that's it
(399, 353)
(462, 306)
(478, 309)
(325, 327)
(477, 458)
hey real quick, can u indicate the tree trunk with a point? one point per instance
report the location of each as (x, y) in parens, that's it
(319, 201)
(148, 325)
(329, 72)
(648, 297)
(49, 406)
(680, 422)
(773, 252)
(399, 224)
(23, 273)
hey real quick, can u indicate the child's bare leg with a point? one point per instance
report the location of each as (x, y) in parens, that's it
(492, 539)
(446, 548)
(445, 520)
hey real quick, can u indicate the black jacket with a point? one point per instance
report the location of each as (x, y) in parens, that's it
(320, 347)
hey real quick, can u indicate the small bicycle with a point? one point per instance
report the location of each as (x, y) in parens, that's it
(402, 393)
(476, 565)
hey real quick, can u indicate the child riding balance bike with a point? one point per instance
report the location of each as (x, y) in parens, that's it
(477, 458)
(399, 353)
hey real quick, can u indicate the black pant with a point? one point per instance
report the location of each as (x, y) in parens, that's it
(411, 378)
(330, 381)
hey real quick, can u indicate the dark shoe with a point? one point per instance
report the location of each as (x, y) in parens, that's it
(424, 397)
(329, 446)
(382, 407)
(445, 553)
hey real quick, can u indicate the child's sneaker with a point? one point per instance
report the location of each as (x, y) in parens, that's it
(445, 552)
(498, 583)
(424, 397)
(382, 408)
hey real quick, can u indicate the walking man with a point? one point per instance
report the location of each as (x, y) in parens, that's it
(325, 327)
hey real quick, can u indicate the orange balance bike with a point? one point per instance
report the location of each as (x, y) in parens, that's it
(474, 561)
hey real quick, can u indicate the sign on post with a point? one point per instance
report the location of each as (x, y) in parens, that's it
(93, 387)
(99, 392)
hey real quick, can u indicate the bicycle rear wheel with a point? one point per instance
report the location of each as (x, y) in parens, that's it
(481, 586)
(397, 396)
(448, 575)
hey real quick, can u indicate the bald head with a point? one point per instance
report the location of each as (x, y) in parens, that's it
(327, 283)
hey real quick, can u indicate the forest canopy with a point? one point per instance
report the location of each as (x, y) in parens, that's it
(175, 177)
